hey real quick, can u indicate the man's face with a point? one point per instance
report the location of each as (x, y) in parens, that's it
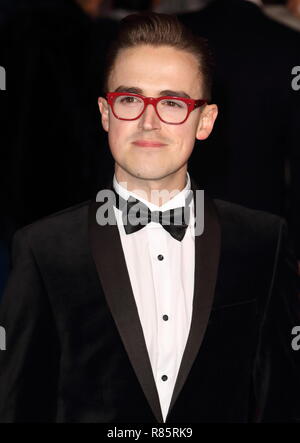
(153, 72)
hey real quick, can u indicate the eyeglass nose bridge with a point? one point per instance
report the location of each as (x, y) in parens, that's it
(151, 101)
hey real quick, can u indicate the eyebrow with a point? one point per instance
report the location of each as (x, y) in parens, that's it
(166, 92)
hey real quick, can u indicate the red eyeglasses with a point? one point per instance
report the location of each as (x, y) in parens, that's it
(171, 110)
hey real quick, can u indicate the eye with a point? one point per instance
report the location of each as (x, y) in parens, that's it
(172, 103)
(128, 99)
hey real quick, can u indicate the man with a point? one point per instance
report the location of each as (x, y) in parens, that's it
(152, 322)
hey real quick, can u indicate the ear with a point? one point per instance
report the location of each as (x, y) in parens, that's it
(206, 123)
(104, 110)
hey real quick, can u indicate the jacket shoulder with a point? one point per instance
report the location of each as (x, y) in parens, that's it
(248, 227)
(54, 227)
(230, 210)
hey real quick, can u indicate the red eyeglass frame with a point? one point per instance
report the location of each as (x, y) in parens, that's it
(191, 104)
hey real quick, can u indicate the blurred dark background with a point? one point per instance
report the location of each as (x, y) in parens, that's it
(54, 152)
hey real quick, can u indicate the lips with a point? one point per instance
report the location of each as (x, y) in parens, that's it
(148, 143)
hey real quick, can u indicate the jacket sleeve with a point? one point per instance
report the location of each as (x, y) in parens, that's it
(277, 364)
(29, 367)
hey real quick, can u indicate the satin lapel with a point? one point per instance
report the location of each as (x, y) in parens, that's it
(112, 270)
(207, 253)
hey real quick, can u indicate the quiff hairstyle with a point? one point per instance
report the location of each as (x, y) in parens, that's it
(160, 30)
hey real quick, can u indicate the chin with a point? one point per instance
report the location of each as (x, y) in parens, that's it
(146, 170)
(153, 174)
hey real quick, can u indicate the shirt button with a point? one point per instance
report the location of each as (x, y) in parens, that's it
(160, 257)
(164, 378)
(165, 317)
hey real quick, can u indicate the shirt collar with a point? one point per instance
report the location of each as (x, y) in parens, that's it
(177, 201)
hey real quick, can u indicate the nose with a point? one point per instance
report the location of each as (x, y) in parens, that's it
(149, 120)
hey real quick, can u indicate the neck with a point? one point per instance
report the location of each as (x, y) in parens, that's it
(157, 191)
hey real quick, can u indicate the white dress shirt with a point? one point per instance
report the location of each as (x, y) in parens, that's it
(161, 271)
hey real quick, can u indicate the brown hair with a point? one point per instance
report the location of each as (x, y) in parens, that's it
(160, 30)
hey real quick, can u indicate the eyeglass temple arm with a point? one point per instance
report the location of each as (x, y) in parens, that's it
(200, 103)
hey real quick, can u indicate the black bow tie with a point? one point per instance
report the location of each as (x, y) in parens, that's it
(136, 215)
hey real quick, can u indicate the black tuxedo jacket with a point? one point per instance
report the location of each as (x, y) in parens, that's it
(75, 346)
(257, 130)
